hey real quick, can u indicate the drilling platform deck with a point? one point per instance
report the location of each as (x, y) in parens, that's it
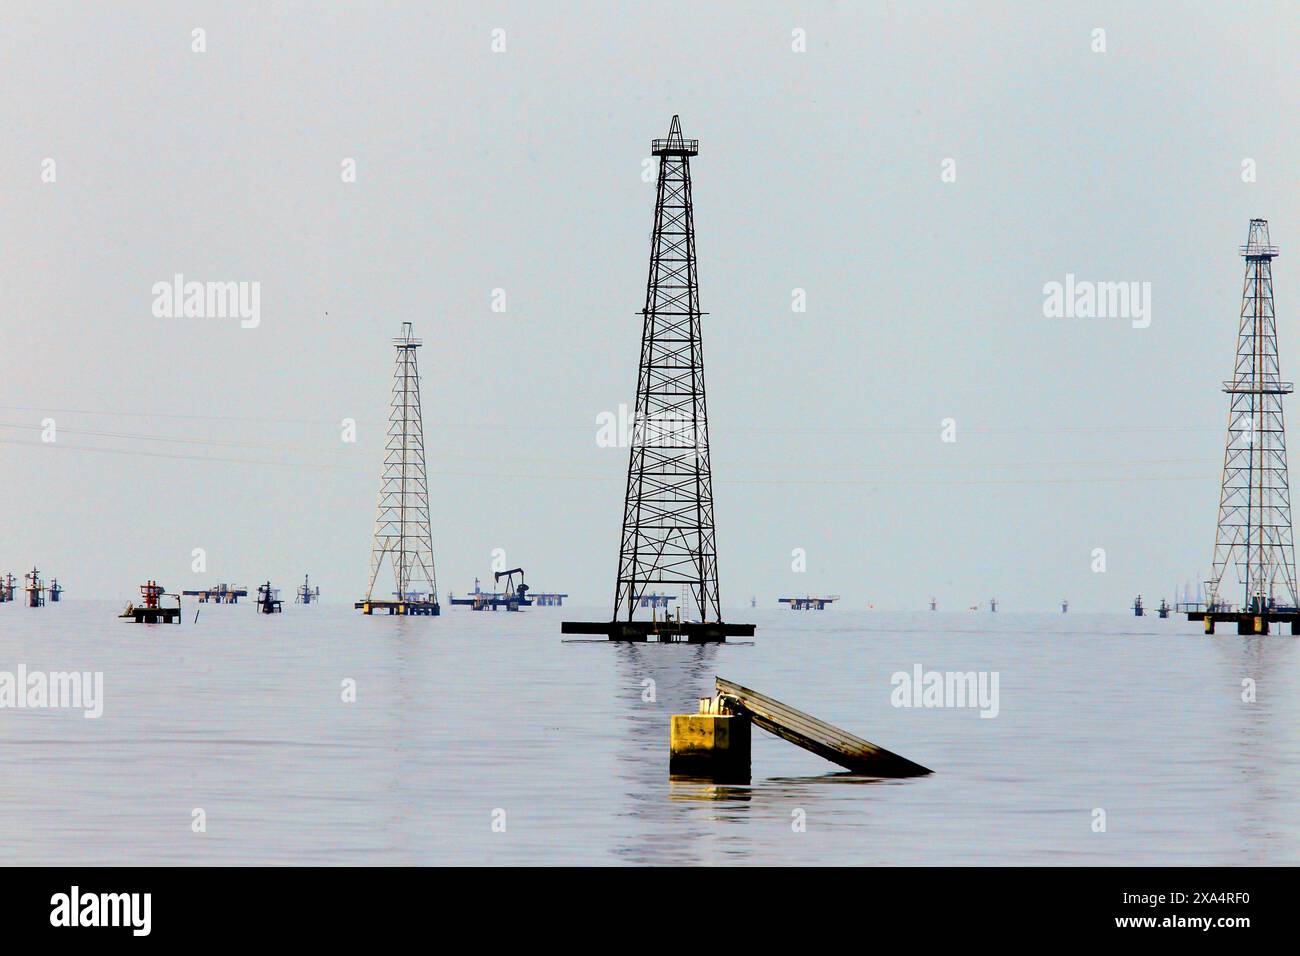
(410, 608)
(664, 631)
(1249, 622)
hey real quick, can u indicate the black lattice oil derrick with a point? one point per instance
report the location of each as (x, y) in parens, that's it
(403, 533)
(668, 526)
(1254, 535)
(668, 535)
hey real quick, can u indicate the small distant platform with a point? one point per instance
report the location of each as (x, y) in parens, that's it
(422, 608)
(1247, 622)
(688, 632)
(809, 603)
(221, 594)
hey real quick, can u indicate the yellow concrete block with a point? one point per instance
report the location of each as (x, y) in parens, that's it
(708, 743)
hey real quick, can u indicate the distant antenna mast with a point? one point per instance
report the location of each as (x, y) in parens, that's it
(402, 531)
(1254, 531)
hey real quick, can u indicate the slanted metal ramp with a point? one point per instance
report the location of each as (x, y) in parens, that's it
(803, 730)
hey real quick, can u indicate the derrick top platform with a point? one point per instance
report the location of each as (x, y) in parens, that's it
(675, 145)
(1258, 246)
(406, 340)
(1259, 252)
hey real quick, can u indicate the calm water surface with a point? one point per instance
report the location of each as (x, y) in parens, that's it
(463, 715)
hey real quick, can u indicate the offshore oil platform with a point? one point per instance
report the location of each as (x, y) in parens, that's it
(403, 536)
(305, 594)
(152, 610)
(1254, 533)
(34, 588)
(809, 603)
(547, 599)
(219, 594)
(512, 598)
(268, 599)
(668, 535)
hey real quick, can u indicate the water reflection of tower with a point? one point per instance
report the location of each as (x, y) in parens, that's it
(407, 837)
(1260, 740)
(657, 832)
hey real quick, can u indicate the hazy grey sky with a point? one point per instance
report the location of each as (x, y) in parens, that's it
(521, 170)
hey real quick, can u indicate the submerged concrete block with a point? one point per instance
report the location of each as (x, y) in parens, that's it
(709, 745)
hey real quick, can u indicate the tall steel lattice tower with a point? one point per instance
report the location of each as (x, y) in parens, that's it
(668, 532)
(1254, 532)
(668, 537)
(402, 532)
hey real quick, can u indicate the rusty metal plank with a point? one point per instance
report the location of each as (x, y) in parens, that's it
(825, 740)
